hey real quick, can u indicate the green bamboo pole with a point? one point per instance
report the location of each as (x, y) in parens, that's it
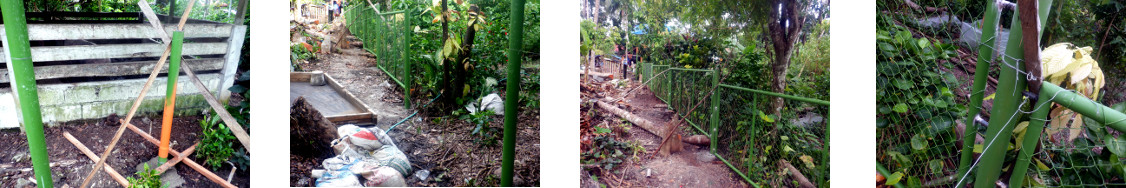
(715, 111)
(170, 94)
(1005, 105)
(515, 46)
(1031, 137)
(19, 49)
(985, 53)
(1088, 108)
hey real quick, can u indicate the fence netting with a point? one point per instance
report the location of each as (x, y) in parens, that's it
(926, 59)
(745, 134)
(386, 35)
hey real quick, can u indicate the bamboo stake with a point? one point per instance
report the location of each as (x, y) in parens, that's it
(109, 170)
(176, 160)
(137, 102)
(232, 124)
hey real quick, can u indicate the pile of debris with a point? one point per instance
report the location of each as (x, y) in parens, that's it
(364, 157)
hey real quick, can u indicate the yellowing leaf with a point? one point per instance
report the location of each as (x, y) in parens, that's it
(1041, 165)
(808, 161)
(1076, 128)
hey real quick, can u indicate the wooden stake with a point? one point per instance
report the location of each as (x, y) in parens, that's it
(195, 166)
(112, 173)
(137, 102)
(232, 124)
(176, 160)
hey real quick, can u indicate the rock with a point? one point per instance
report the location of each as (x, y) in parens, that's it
(705, 156)
(808, 119)
(24, 183)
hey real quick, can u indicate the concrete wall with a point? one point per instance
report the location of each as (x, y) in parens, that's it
(92, 100)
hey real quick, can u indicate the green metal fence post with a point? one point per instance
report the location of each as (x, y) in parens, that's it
(515, 46)
(825, 153)
(405, 60)
(1005, 104)
(19, 49)
(714, 111)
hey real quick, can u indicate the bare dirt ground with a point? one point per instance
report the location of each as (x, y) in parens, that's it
(70, 166)
(693, 167)
(443, 146)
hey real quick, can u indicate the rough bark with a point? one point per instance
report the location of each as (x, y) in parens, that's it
(782, 39)
(638, 121)
(796, 174)
(310, 133)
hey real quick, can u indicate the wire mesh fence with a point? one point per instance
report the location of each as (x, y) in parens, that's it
(920, 121)
(387, 35)
(747, 139)
(758, 144)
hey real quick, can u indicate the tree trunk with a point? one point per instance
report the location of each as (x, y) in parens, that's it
(796, 174)
(447, 66)
(783, 38)
(462, 66)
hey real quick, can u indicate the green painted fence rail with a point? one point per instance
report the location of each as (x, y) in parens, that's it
(804, 122)
(387, 35)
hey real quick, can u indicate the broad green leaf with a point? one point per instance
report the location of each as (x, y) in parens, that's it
(901, 108)
(918, 142)
(1115, 144)
(894, 178)
(903, 84)
(936, 166)
(924, 43)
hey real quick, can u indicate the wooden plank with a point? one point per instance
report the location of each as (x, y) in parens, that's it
(176, 160)
(231, 123)
(151, 16)
(348, 95)
(120, 31)
(81, 52)
(187, 161)
(90, 154)
(234, 55)
(299, 76)
(110, 69)
(366, 117)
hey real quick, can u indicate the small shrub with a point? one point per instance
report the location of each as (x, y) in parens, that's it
(217, 144)
(146, 178)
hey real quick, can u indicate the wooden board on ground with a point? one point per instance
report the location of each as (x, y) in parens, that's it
(336, 104)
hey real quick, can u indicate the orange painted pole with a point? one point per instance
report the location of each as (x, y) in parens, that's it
(170, 96)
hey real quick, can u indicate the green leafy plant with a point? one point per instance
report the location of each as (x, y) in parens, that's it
(146, 178)
(484, 134)
(609, 153)
(217, 144)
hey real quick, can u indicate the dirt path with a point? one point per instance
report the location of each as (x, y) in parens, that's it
(693, 167)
